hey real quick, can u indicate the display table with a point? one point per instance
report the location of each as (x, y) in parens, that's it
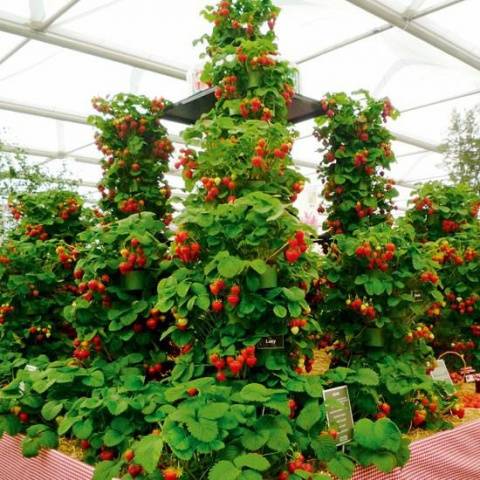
(450, 455)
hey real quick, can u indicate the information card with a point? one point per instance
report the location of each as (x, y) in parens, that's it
(339, 413)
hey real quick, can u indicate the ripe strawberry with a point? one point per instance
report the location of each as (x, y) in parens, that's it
(171, 473)
(221, 377)
(84, 444)
(134, 242)
(385, 408)
(235, 367)
(107, 455)
(135, 470)
(233, 300)
(192, 392)
(291, 255)
(151, 323)
(251, 361)
(235, 290)
(217, 306)
(23, 417)
(128, 455)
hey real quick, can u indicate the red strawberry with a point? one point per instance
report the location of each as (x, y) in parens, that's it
(217, 306)
(135, 470)
(233, 300)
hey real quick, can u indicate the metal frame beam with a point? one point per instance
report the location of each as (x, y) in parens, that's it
(57, 115)
(65, 40)
(375, 31)
(419, 31)
(41, 27)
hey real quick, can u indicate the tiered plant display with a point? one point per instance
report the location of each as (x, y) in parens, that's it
(36, 262)
(356, 155)
(448, 217)
(242, 412)
(137, 150)
(377, 282)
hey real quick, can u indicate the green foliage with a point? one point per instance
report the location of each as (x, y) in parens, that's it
(358, 151)
(137, 151)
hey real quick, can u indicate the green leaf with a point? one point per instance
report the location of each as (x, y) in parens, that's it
(230, 267)
(148, 451)
(341, 466)
(280, 311)
(213, 411)
(364, 376)
(255, 392)
(95, 379)
(254, 440)
(384, 461)
(51, 409)
(112, 437)
(107, 470)
(309, 415)
(382, 434)
(259, 266)
(117, 406)
(30, 447)
(324, 447)
(203, 430)
(252, 460)
(224, 470)
(83, 429)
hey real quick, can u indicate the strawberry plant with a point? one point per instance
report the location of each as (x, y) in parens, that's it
(36, 259)
(439, 210)
(357, 152)
(137, 150)
(118, 267)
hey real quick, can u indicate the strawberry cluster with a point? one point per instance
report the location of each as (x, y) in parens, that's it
(67, 256)
(15, 211)
(435, 310)
(24, 417)
(362, 211)
(213, 185)
(154, 319)
(429, 277)
(288, 93)
(131, 205)
(39, 334)
(365, 309)
(462, 305)
(4, 311)
(83, 348)
(68, 208)
(254, 108)
(470, 399)
(304, 364)
(246, 358)
(461, 347)
(233, 297)
(475, 329)
(296, 465)
(424, 204)
(421, 332)
(297, 188)
(378, 257)
(450, 226)
(187, 160)
(384, 410)
(227, 87)
(154, 370)
(134, 258)
(296, 247)
(162, 148)
(34, 231)
(187, 251)
(448, 254)
(296, 324)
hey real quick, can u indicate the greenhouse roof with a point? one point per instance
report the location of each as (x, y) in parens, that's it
(55, 55)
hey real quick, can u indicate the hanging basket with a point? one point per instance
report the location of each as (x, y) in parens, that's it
(374, 337)
(269, 279)
(135, 280)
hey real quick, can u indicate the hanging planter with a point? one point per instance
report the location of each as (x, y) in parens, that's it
(374, 337)
(269, 279)
(135, 280)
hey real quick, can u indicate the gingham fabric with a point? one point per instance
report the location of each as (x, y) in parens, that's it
(49, 465)
(450, 455)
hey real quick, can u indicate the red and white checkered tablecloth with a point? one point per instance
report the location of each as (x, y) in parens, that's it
(450, 455)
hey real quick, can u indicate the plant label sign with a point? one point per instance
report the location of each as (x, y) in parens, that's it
(339, 413)
(274, 342)
(440, 373)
